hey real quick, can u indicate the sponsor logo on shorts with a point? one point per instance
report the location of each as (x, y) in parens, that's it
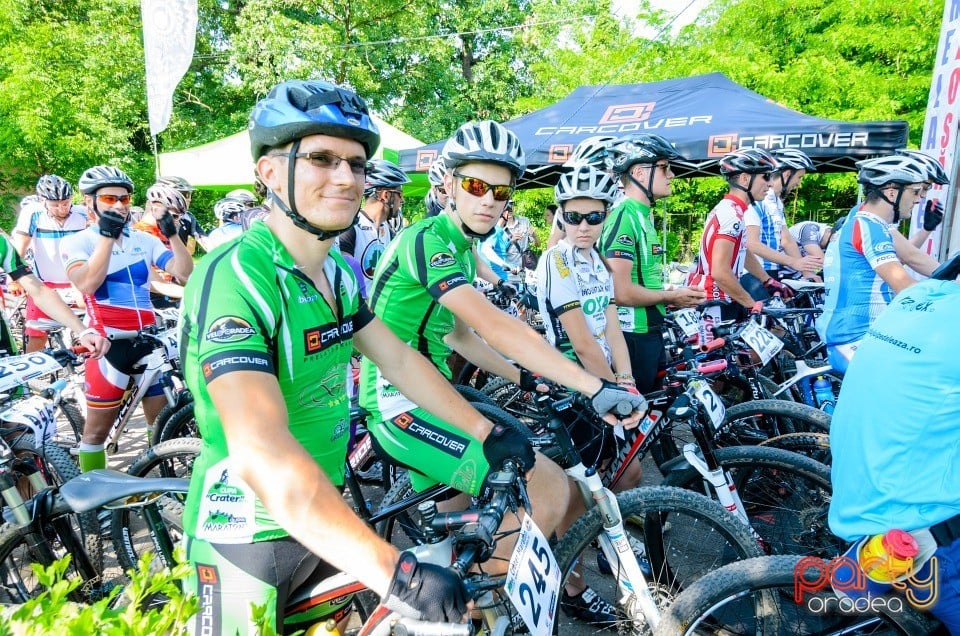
(209, 592)
(229, 329)
(431, 434)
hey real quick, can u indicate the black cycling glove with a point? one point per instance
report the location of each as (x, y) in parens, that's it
(505, 443)
(506, 289)
(167, 224)
(528, 380)
(426, 592)
(932, 215)
(615, 399)
(111, 224)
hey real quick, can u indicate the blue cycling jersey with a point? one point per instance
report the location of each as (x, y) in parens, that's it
(894, 435)
(855, 293)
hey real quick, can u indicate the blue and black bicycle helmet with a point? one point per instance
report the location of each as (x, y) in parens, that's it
(295, 109)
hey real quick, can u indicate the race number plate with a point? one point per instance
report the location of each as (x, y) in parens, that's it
(17, 370)
(762, 341)
(688, 321)
(36, 413)
(533, 580)
(711, 402)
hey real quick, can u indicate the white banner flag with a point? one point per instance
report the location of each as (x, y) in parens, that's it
(940, 127)
(169, 34)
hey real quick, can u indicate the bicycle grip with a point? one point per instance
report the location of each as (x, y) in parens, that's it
(712, 367)
(79, 350)
(123, 335)
(623, 408)
(714, 344)
(412, 627)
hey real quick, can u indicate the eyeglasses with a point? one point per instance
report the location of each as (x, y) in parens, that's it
(398, 193)
(330, 161)
(113, 199)
(592, 218)
(440, 190)
(479, 187)
(661, 166)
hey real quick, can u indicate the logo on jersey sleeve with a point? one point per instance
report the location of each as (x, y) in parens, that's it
(229, 329)
(442, 259)
(560, 262)
(625, 239)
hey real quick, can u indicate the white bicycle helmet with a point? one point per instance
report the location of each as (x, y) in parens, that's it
(243, 196)
(749, 161)
(485, 141)
(585, 182)
(103, 176)
(436, 172)
(383, 174)
(793, 159)
(935, 171)
(902, 169)
(593, 151)
(54, 188)
(167, 196)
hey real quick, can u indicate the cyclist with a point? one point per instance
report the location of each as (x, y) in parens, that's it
(189, 228)
(593, 151)
(932, 214)
(766, 233)
(383, 199)
(270, 322)
(861, 271)
(722, 258)
(630, 243)
(436, 198)
(229, 212)
(812, 237)
(160, 200)
(895, 456)
(112, 266)
(422, 291)
(41, 229)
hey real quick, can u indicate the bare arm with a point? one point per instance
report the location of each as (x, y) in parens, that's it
(788, 244)
(465, 341)
(629, 294)
(618, 345)
(516, 340)
(21, 242)
(913, 256)
(419, 380)
(292, 486)
(51, 304)
(758, 248)
(724, 276)
(896, 276)
(181, 265)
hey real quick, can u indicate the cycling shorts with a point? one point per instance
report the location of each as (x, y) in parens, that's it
(228, 578)
(839, 356)
(648, 356)
(432, 450)
(35, 313)
(107, 378)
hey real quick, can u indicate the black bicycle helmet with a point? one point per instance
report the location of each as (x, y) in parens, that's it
(749, 161)
(383, 174)
(485, 141)
(179, 184)
(644, 148)
(54, 188)
(935, 172)
(593, 151)
(103, 176)
(167, 196)
(298, 108)
(585, 182)
(295, 109)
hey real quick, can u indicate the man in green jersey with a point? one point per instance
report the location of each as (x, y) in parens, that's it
(631, 246)
(269, 323)
(422, 290)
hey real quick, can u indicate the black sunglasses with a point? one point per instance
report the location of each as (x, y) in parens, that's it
(592, 218)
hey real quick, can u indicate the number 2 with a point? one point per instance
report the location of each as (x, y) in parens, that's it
(526, 591)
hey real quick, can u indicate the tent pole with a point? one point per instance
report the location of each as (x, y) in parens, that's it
(156, 157)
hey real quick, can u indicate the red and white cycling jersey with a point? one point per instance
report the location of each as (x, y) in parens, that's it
(724, 223)
(123, 299)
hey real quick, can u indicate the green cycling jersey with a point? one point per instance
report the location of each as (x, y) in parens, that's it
(629, 233)
(248, 308)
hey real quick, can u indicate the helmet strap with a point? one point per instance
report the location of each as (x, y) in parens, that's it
(647, 191)
(736, 186)
(291, 210)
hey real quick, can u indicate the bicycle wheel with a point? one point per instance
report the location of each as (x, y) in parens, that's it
(129, 529)
(816, 446)
(18, 553)
(72, 413)
(180, 424)
(183, 398)
(471, 394)
(786, 497)
(685, 536)
(754, 421)
(514, 400)
(756, 597)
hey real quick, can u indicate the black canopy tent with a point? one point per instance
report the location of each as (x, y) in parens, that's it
(705, 116)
